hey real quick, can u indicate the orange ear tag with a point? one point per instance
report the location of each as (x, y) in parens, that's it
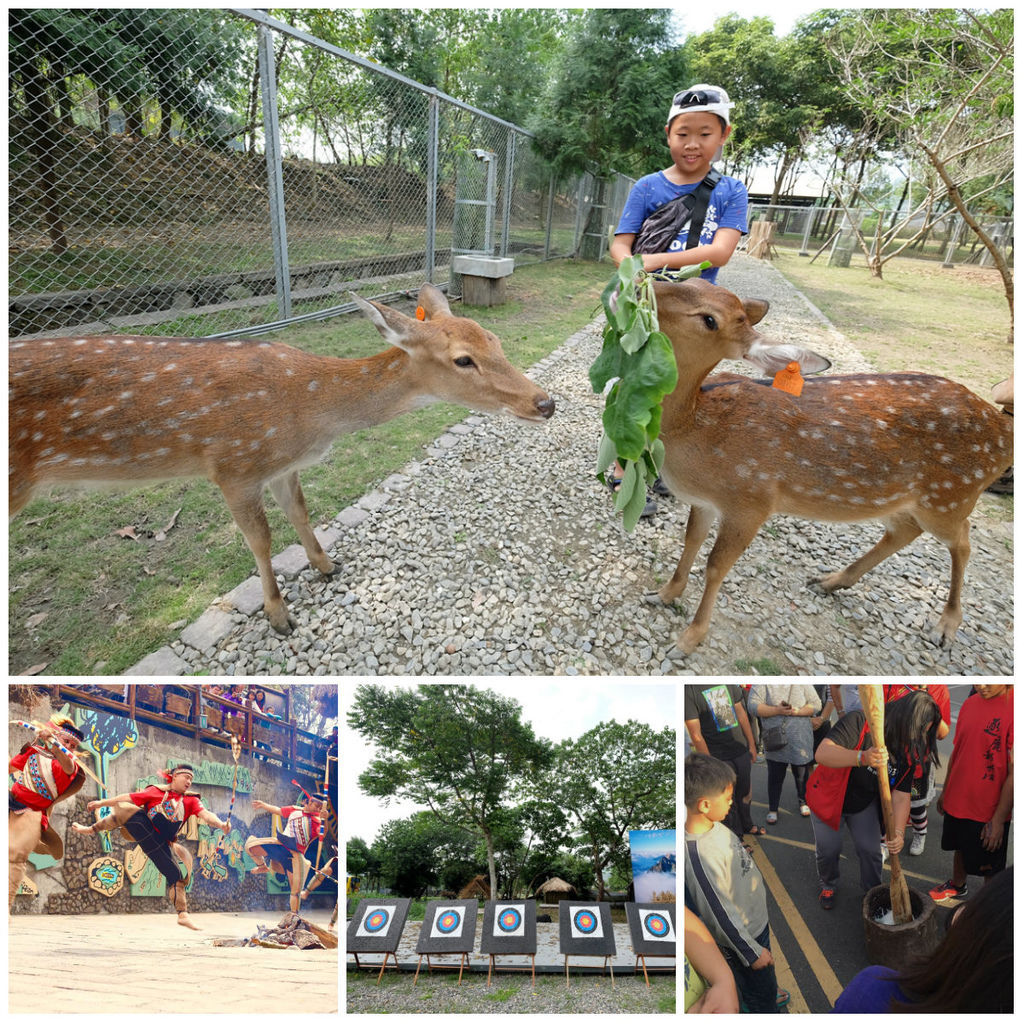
(789, 379)
(421, 313)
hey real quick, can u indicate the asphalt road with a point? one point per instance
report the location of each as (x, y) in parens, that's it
(817, 952)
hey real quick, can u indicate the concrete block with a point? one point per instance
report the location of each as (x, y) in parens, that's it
(483, 266)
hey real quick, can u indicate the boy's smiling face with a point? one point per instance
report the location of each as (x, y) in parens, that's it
(988, 692)
(693, 141)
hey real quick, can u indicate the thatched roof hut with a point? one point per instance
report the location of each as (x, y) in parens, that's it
(555, 889)
(477, 889)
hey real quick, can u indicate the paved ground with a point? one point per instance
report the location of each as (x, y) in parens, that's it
(145, 963)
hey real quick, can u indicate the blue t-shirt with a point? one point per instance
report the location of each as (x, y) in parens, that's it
(871, 991)
(727, 208)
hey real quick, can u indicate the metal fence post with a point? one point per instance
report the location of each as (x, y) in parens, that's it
(506, 206)
(275, 176)
(432, 143)
(551, 211)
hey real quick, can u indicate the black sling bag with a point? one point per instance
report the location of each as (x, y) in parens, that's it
(662, 227)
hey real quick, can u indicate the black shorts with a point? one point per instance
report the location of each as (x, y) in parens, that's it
(964, 835)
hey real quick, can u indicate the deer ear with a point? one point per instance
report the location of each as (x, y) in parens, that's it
(395, 328)
(756, 309)
(433, 302)
(772, 358)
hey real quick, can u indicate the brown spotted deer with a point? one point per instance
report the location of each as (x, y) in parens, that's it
(911, 450)
(245, 414)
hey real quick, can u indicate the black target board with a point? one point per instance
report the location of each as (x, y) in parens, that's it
(510, 926)
(585, 929)
(449, 926)
(652, 928)
(377, 925)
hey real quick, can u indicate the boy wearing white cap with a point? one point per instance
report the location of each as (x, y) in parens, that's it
(697, 126)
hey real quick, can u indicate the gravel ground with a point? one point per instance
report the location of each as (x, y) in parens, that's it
(499, 552)
(509, 993)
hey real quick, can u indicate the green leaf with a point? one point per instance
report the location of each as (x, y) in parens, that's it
(635, 506)
(630, 482)
(636, 336)
(605, 453)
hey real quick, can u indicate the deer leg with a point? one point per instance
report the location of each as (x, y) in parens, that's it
(698, 525)
(900, 530)
(288, 494)
(734, 537)
(246, 506)
(952, 614)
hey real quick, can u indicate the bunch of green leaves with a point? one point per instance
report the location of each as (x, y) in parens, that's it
(638, 357)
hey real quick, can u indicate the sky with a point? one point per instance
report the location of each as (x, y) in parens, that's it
(556, 710)
(696, 18)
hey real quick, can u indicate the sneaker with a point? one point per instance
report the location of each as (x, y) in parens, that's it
(805, 810)
(827, 898)
(781, 998)
(885, 853)
(917, 844)
(948, 891)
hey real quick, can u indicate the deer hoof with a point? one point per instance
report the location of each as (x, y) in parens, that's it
(282, 623)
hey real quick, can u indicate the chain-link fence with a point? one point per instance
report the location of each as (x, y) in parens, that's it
(215, 171)
(828, 231)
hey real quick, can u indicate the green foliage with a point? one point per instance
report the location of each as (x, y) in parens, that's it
(461, 751)
(613, 779)
(421, 851)
(606, 106)
(639, 359)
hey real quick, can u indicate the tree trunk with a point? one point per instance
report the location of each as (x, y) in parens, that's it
(492, 871)
(986, 239)
(43, 146)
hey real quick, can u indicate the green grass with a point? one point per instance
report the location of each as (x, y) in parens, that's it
(85, 601)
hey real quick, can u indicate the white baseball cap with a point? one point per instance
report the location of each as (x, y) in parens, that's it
(710, 98)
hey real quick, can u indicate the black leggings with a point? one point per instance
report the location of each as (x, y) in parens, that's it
(777, 776)
(738, 819)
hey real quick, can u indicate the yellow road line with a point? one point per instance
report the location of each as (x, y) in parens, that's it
(810, 847)
(786, 979)
(812, 951)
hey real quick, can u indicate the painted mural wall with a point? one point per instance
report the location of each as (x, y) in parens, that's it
(106, 872)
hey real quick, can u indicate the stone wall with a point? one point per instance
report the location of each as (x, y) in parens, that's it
(132, 754)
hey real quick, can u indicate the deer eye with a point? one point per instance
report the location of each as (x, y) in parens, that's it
(710, 323)
(464, 361)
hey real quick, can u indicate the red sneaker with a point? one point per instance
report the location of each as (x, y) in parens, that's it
(827, 898)
(948, 891)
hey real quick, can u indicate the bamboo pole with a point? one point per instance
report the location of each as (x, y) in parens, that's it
(873, 701)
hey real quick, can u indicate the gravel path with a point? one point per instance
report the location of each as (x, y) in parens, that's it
(499, 553)
(509, 993)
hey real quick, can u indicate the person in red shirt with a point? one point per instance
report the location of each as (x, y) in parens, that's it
(978, 797)
(42, 774)
(153, 817)
(285, 850)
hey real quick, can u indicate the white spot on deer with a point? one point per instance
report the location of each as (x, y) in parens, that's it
(169, 367)
(81, 341)
(312, 386)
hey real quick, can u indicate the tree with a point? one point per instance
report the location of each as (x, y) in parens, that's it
(421, 851)
(462, 752)
(940, 84)
(606, 107)
(782, 99)
(614, 779)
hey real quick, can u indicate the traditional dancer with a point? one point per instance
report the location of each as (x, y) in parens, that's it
(285, 850)
(44, 772)
(153, 818)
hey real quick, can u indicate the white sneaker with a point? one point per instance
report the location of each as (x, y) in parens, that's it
(885, 853)
(917, 843)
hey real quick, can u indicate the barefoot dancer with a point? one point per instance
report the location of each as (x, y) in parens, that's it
(285, 850)
(329, 870)
(43, 773)
(153, 818)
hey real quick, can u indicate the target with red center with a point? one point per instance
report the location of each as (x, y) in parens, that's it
(375, 921)
(586, 923)
(657, 926)
(509, 928)
(377, 925)
(447, 922)
(509, 920)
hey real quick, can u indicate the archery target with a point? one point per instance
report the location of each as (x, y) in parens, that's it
(447, 923)
(657, 926)
(375, 923)
(586, 923)
(509, 920)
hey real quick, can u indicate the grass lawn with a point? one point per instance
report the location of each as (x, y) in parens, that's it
(84, 600)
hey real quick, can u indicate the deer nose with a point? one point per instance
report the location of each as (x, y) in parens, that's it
(546, 407)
